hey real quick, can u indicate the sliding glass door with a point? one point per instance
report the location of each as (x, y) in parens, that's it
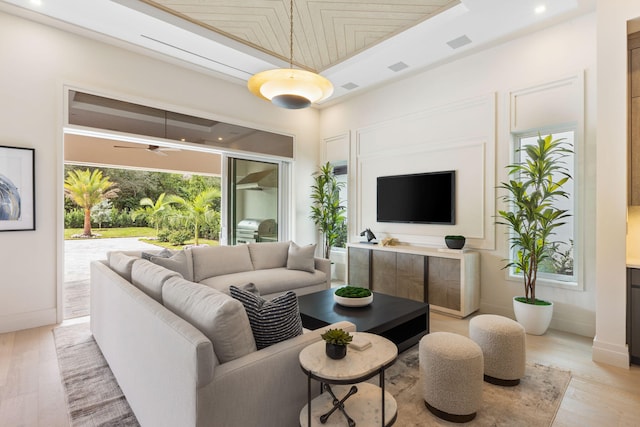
(253, 209)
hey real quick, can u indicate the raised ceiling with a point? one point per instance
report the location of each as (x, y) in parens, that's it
(325, 32)
(355, 44)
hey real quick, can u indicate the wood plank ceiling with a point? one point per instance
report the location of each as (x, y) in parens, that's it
(325, 32)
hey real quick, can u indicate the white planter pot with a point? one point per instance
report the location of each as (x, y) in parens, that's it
(534, 318)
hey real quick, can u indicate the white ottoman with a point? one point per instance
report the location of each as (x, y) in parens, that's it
(451, 367)
(503, 345)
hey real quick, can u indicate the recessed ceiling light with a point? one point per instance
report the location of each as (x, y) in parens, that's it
(219, 138)
(36, 2)
(540, 9)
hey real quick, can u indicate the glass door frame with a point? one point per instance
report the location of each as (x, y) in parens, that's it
(284, 194)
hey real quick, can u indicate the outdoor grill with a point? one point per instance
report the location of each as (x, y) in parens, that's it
(252, 230)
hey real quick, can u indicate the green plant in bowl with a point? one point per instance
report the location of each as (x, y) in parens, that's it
(454, 237)
(353, 292)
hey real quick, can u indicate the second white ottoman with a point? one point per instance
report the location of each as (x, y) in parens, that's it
(451, 367)
(503, 345)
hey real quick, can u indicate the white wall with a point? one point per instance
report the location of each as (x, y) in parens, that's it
(37, 62)
(609, 343)
(403, 124)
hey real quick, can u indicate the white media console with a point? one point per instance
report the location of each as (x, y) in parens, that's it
(447, 279)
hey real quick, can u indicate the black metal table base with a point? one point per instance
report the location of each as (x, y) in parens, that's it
(339, 404)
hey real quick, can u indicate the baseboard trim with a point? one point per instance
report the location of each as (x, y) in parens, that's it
(611, 354)
(585, 329)
(33, 319)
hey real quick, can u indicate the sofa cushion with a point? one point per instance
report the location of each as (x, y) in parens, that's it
(209, 261)
(272, 321)
(301, 257)
(269, 255)
(121, 264)
(219, 317)
(270, 281)
(150, 277)
(179, 262)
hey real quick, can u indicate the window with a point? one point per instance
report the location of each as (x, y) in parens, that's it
(340, 172)
(559, 268)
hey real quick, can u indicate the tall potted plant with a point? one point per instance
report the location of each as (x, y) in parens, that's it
(326, 211)
(535, 185)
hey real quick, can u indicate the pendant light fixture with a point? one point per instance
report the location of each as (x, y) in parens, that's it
(288, 87)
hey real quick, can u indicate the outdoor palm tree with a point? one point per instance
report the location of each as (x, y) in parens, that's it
(197, 210)
(154, 212)
(86, 189)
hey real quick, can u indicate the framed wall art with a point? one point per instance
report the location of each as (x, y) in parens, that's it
(17, 189)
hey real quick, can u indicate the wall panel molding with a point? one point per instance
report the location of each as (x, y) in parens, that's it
(547, 104)
(457, 136)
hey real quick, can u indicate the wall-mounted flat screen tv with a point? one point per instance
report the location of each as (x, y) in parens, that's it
(424, 198)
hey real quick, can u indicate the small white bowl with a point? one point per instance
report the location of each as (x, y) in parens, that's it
(353, 302)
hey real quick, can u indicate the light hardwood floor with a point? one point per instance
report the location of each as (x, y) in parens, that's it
(598, 395)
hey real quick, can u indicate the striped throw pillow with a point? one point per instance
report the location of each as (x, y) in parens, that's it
(272, 321)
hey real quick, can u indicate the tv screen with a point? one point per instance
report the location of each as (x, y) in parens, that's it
(425, 198)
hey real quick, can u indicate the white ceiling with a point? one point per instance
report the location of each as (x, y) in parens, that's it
(355, 44)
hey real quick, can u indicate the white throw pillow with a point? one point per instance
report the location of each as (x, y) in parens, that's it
(301, 257)
(179, 262)
(269, 255)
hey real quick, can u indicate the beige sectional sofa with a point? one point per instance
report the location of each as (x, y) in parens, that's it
(183, 352)
(273, 268)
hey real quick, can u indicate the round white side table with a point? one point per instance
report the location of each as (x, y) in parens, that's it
(362, 403)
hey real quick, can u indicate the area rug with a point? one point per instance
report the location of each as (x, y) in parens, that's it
(92, 393)
(95, 399)
(533, 403)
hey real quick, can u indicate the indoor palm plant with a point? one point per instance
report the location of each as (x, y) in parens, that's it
(327, 212)
(535, 185)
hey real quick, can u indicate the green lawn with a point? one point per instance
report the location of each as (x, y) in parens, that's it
(108, 233)
(145, 234)
(188, 242)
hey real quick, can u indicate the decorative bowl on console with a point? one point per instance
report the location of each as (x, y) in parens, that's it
(353, 296)
(454, 242)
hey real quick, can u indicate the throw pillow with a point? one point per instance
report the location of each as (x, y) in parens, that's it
(251, 287)
(164, 253)
(272, 321)
(179, 262)
(301, 258)
(269, 255)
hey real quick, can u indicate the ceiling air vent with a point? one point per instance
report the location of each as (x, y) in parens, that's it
(398, 66)
(349, 86)
(459, 42)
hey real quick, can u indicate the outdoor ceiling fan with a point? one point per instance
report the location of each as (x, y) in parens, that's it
(152, 148)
